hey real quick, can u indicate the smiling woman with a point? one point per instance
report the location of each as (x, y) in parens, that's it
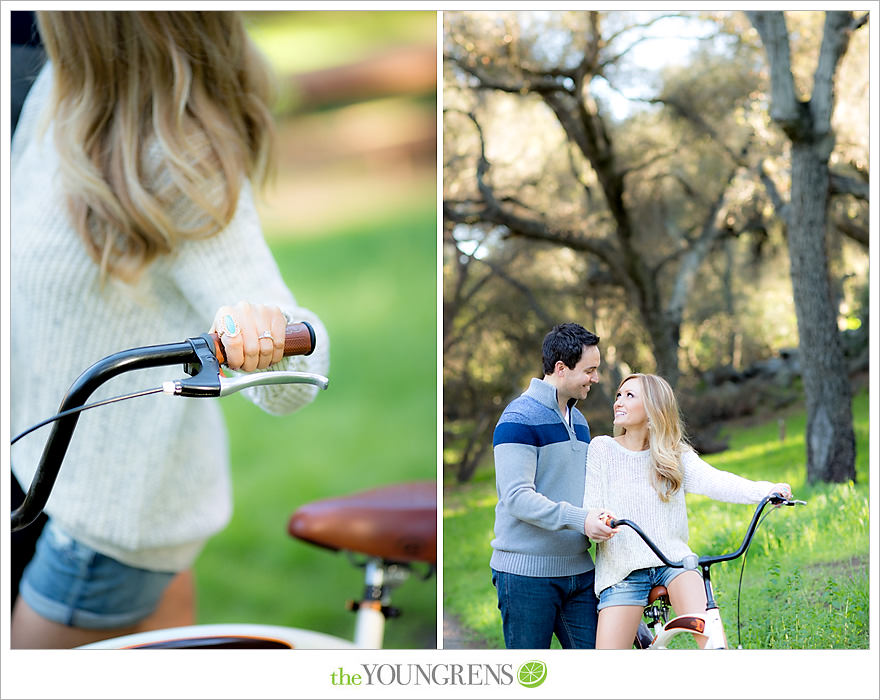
(643, 474)
(629, 405)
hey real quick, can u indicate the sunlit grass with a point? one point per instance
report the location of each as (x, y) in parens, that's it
(374, 287)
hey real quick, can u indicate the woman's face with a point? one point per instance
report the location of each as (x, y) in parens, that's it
(629, 405)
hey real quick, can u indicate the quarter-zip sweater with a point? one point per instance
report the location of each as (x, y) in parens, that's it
(540, 460)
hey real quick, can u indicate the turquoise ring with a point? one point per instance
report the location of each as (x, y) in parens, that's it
(228, 326)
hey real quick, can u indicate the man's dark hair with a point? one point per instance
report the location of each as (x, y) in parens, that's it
(566, 342)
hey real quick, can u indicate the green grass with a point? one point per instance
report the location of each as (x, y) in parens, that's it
(374, 287)
(805, 583)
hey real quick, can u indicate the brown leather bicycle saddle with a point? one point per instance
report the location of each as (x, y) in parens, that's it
(396, 523)
(658, 592)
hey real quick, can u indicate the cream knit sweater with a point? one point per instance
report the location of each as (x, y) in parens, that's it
(145, 481)
(618, 480)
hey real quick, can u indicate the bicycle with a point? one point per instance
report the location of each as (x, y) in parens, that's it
(656, 630)
(391, 529)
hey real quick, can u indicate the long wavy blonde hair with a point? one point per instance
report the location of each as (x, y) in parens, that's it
(666, 438)
(158, 118)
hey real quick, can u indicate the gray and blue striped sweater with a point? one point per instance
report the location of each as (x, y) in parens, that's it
(540, 465)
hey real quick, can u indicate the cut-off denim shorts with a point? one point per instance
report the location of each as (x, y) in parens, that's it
(636, 587)
(72, 584)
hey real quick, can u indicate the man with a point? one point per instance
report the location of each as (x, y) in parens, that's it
(541, 566)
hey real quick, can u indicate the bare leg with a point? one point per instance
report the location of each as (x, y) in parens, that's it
(688, 596)
(177, 607)
(617, 626)
(32, 631)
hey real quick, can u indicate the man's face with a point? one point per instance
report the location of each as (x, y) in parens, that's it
(575, 383)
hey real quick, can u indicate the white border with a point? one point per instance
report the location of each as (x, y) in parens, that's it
(802, 674)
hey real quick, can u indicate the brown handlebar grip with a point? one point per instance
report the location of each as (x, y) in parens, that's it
(299, 339)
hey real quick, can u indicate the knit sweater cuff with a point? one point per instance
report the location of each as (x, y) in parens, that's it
(574, 518)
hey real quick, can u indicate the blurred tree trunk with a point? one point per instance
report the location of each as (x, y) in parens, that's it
(830, 437)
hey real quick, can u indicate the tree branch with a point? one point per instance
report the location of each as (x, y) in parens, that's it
(650, 161)
(526, 226)
(535, 83)
(696, 252)
(842, 184)
(696, 120)
(546, 318)
(644, 25)
(835, 38)
(852, 230)
(785, 109)
(779, 205)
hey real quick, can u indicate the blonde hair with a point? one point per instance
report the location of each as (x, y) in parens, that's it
(158, 118)
(666, 438)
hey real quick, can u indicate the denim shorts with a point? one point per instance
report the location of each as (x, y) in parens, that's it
(636, 587)
(72, 584)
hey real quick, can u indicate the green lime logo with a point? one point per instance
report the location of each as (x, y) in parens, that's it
(531, 674)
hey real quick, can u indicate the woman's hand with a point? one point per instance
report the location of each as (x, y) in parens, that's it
(252, 335)
(782, 489)
(596, 525)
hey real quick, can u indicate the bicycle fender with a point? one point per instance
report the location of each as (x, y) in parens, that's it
(688, 623)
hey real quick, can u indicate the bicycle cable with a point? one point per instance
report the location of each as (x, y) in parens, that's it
(739, 587)
(70, 411)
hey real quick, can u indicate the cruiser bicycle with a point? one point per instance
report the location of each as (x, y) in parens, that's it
(656, 630)
(388, 531)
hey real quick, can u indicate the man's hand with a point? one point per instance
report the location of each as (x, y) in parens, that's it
(596, 526)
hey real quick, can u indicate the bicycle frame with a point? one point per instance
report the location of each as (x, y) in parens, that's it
(708, 623)
(205, 380)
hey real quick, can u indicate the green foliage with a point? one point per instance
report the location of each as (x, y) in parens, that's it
(571, 245)
(302, 41)
(805, 582)
(374, 288)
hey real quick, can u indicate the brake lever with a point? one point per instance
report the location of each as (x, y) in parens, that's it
(207, 381)
(230, 385)
(777, 500)
(204, 371)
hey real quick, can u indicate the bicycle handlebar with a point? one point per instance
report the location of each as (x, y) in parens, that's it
(692, 561)
(299, 339)
(200, 357)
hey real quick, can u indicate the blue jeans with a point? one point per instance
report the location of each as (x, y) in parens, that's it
(534, 608)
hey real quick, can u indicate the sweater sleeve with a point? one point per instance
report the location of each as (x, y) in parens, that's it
(702, 478)
(236, 265)
(516, 465)
(594, 492)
